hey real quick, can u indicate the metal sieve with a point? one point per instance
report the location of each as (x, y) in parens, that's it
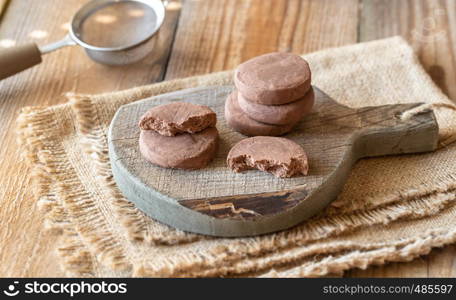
(112, 32)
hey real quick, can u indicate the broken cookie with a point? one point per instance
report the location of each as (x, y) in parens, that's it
(178, 117)
(278, 156)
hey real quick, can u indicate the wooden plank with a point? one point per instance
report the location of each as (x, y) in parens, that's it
(429, 27)
(219, 34)
(25, 244)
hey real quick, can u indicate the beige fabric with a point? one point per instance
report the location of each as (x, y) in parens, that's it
(391, 209)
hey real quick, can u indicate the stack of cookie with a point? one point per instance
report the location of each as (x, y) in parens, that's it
(273, 94)
(179, 135)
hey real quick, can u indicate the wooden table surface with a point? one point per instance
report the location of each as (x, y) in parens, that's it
(198, 37)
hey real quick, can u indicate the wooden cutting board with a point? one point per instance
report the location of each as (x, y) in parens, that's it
(216, 201)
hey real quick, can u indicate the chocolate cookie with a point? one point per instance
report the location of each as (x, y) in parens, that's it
(178, 117)
(273, 79)
(278, 156)
(183, 151)
(239, 121)
(278, 114)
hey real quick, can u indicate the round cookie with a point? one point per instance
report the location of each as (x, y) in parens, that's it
(183, 151)
(178, 117)
(278, 114)
(278, 156)
(239, 121)
(273, 79)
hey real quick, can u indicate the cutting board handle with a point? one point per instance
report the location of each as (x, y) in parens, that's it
(388, 130)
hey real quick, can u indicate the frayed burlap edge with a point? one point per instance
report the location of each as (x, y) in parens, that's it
(245, 258)
(358, 259)
(54, 176)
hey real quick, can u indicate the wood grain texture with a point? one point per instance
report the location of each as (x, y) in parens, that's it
(334, 137)
(206, 41)
(245, 207)
(428, 25)
(27, 249)
(219, 34)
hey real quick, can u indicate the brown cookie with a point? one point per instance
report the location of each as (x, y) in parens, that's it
(239, 121)
(178, 117)
(273, 79)
(183, 151)
(278, 114)
(278, 156)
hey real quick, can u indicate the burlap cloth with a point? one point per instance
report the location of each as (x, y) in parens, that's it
(391, 209)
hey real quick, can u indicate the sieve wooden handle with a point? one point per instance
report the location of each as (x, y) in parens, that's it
(16, 59)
